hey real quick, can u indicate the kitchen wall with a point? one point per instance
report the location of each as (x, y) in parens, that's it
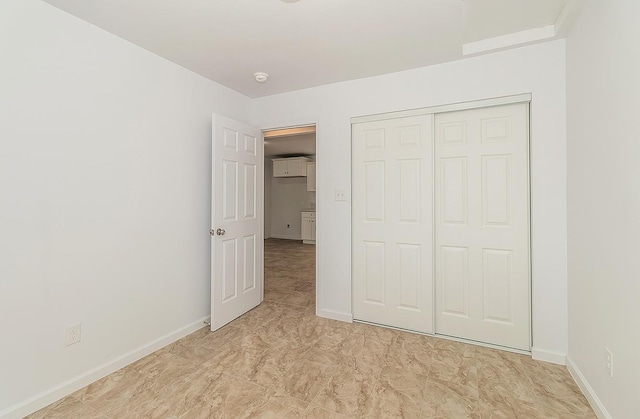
(105, 180)
(603, 64)
(537, 69)
(289, 196)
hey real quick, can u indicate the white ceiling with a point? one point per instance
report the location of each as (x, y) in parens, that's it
(315, 42)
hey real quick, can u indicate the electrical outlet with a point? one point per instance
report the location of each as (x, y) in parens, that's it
(340, 195)
(72, 334)
(609, 358)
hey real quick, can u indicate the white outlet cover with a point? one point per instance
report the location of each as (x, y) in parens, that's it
(340, 195)
(609, 360)
(73, 334)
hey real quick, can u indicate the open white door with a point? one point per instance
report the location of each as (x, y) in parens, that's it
(237, 245)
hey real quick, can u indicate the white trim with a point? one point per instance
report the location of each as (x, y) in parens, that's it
(568, 14)
(284, 237)
(391, 115)
(587, 390)
(445, 337)
(71, 385)
(453, 107)
(335, 315)
(529, 228)
(483, 344)
(548, 356)
(286, 132)
(290, 124)
(509, 40)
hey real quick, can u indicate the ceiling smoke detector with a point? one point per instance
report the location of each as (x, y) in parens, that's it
(261, 77)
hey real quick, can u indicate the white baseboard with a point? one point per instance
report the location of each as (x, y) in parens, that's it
(548, 356)
(335, 315)
(282, 236)
(65, 388)
(587, 390)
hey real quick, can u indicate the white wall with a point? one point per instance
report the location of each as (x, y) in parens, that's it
(104, 200)
(603, 87)
(538, 69)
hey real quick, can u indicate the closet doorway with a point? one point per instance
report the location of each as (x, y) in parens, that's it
(441, 221)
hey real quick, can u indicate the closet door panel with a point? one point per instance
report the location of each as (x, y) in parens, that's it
(393, 222)
(482, 225)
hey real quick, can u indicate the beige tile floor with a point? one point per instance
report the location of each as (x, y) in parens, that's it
(280, 361)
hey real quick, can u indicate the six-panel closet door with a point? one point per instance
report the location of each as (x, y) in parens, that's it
(441, 223)
(482, 225)
(392, 212)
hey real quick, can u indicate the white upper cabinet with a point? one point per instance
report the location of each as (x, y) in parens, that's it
(290, 167)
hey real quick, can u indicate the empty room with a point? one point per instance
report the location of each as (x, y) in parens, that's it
(319, 208)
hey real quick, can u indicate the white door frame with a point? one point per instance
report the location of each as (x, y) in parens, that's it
(483, 103)
(295, 124)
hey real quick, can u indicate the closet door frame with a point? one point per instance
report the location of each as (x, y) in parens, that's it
(484, 103)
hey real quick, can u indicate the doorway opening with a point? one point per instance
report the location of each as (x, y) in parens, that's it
(290, 216)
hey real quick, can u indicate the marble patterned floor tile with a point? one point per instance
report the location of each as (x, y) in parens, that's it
(390, 403)
(122, 384)
(347, 391)
(304, 380)
(68, 408)
(441, 400)
(280, 360)
(275, 294)
(298, 298)
(279, 406)
(315, 412)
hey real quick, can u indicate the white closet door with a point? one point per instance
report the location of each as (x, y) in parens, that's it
(482, 225)
(392, 222)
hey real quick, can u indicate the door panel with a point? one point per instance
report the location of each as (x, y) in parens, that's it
(453, 196)
(250, 193)
(482, 225)
(409, 276)
(250, 263)
(375, 277)
(392, 222)
(237, 206)
(496, 277)
(229, 271)
(374, 177)
(455, 279)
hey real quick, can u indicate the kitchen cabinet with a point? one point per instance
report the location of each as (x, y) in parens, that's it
(308, 227)
(290, 167)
